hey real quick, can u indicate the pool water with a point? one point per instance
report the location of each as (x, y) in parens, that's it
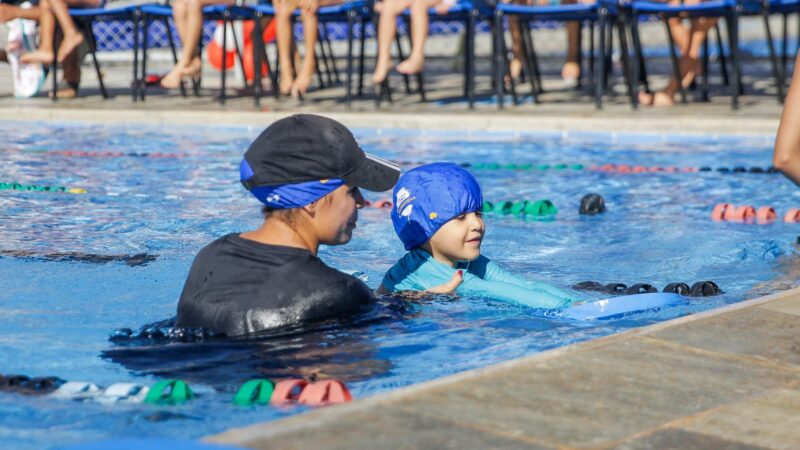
(59, 305)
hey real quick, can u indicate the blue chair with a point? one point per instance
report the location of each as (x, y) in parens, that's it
(85, 19)
(605, 14)
(730, 10)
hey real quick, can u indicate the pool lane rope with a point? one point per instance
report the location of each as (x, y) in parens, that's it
(615, 168)
(170, 392)
(728, 212)
(10, 186)
(522, 208)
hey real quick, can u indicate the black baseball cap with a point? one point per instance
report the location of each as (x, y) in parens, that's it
(308, 147)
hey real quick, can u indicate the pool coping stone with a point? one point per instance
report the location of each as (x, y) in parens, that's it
(728, 377)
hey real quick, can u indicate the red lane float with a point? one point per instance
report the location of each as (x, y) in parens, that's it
(745, 213)
(287, 391)
(792, 216)
(325, 392)
(766, 214)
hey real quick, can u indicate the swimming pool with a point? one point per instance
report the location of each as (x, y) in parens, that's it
(59, 305)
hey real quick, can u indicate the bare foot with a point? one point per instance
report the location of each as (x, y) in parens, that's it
(37, 57)
(193, 68)
(286, 83)
(381, 71)
(570, 72)
(173, 79)
(412, 65)
(68, 45)
(515, 67)
(646, 98)
(662, 98)
(300, 85)
(659, 98)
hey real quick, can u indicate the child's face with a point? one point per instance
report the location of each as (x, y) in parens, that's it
(459, 239)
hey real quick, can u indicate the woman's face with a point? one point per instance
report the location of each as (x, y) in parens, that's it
(459, 239)
(337, 214)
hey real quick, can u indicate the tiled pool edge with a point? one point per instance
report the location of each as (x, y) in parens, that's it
(599, 123)
(721, 377)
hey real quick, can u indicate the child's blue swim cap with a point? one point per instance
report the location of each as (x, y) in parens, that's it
(427, 197)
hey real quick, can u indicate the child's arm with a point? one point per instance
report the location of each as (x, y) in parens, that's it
(495, 273)
(529, 296)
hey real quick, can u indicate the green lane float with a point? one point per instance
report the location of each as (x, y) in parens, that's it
(254, 392)
(5, 186)
(538, 208)
(169, 392)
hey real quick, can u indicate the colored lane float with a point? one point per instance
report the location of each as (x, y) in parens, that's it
(10, 186)
(537, 208)
(728, 212)
(704, 288)
(626, 168)
(174, 392)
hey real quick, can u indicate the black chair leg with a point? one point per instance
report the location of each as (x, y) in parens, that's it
(773, 57)
(591, 53)
(626, 62)
(143, 73)
(527, 45)
(88, 32)
(258, 44)
(361, 57)
(401, 54)
(704, 85)
(222, 69)
(351, 18)
(733, 31)
(641, 66)
(723, 60)
(135, 84)
(470, 58)
(600, 80)
(498, 57)
(785, 45)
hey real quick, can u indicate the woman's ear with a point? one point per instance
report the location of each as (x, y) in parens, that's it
(311, 208)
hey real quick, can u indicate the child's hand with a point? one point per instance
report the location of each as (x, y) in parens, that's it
(450, 286)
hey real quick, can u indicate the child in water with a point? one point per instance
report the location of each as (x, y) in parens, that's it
(437, 215)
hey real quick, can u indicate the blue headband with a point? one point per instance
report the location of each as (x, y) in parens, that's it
(427, 197)
(290, 195)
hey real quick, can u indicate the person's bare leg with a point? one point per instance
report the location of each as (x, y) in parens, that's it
(310, 31)
(387, 30)
(47, 27)
(689, 64)
(180, 16)
(571, 70)
(72, 37)
(515, 66)
(285, 37)
(419, 34)
(72, 77)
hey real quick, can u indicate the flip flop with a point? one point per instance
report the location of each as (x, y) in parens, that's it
(287, 391)
(325, 392)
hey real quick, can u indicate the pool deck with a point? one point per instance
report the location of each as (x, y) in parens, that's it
(727, 378)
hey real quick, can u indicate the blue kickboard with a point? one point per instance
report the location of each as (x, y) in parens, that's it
(149, 444)
(616, 307)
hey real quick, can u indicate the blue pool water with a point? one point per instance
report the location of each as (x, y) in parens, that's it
(57, 316)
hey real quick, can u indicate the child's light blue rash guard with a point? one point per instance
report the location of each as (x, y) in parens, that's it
(418, 271)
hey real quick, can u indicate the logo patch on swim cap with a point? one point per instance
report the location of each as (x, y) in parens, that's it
(273, 198)
(402, 201)
(432, 215)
